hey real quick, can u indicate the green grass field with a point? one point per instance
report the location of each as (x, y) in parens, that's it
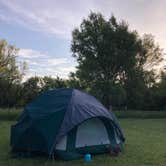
(12, 114)
(145, 146)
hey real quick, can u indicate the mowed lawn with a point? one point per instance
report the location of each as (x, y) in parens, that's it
(145, 146)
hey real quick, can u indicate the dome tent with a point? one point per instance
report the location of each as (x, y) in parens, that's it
(68, 123)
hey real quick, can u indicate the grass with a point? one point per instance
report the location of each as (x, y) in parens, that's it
(9, 113)
(141, 114)
(12, 114)
(145, 146)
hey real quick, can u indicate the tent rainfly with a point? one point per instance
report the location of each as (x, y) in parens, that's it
(67, 123)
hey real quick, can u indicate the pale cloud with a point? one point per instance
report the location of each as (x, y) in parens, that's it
(29, 54)
(61, 17)
(57, 61)
(42, 64)
(44, 17)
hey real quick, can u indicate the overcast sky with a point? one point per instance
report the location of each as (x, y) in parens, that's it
(42, 28)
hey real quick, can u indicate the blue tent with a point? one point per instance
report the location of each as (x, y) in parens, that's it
(67, 123)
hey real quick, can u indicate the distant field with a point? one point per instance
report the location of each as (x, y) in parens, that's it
(9, 114)
(12, 114)
(145, 146)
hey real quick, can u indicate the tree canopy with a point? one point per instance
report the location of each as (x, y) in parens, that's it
(9, 69)
(108, 52)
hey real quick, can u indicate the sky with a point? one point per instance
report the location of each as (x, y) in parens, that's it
(42, 28)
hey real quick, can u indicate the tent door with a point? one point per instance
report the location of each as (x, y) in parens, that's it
(91, 132)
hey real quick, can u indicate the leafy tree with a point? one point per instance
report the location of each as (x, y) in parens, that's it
(118, 97)
(74, 82)
(32, 88)
(10, 75)
(10, 93)
(36, 85)
(139, 82)
(152, 54)
(108, 53)
(9, 69)
(52, 83)
(161, 92)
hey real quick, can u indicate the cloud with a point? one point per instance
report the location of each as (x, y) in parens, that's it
(43, 64)
(59, 18)
(57, 61)
(52, 17)
(29, 54)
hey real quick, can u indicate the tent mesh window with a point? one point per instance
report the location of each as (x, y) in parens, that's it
(91, 132)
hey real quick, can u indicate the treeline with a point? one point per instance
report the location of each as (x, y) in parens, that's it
(115, 64)
(18, 95)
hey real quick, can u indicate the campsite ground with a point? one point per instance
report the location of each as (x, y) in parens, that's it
(145, 146)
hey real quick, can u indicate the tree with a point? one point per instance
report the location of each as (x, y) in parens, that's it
(10, 94)
(10, 75)
(31, 88)
(36, 85)
(74, 82)
(9, 69)
(52, 83)
(161, 92)
(108, 53)
(139, 82)
(118, 96)
(152, 54)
